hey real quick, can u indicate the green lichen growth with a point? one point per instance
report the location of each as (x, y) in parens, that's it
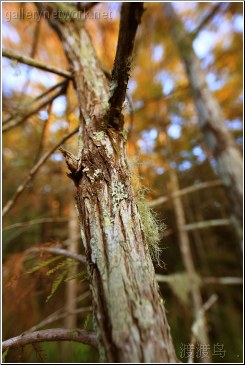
(94, 176)
(107, 218)
(99, 135)
(152, 227)
(118, 194)
(97, 173)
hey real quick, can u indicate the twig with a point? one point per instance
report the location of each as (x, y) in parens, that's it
(41, 96)
(22, 119)
(54, 334)
(199, 321)
(208, 280)
(209, 16)
(207, 224)
(34, 171)
(189, 189)
(43, 133)
(130, 18)
(34, 100)
(34, 63)
(36, 221)
(56, 317)
(53, 315)
(58, 251)
(223, 281)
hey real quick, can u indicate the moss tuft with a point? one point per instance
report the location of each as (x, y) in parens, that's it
(152, 227)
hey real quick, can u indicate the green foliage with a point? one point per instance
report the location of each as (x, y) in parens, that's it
(4, 355)
(63, 267)
(44, 264)
(60, 278)
(76, 276)
(57, 267)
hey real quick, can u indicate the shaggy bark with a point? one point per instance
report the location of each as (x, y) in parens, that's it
(211, 118)
(128, 311)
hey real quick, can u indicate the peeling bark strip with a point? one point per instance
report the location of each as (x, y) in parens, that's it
(129, 313)
(211, 118)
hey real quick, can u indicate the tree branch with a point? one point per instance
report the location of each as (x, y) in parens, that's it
(22, 119)
(56, 315)
(130, 18)
(208, 280)
(12, 116)
(189, 189)
(209, 16)
(58, 251)
(34, 171)
(207, 224)
(43, 133)
(54, 334)
(199, 320)
(34, 63)
(36, 221)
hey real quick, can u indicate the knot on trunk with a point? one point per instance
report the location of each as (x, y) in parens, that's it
(72, 163)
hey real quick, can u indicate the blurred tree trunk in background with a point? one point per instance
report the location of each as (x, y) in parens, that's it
(216, 135)
(185, 249)
(129, 314)
(71, 286)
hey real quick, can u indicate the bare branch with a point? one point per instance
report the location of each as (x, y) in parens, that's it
(207, 224)
(189, 189)
(58, 251)
(53, 316)
(200, 225)
(198, 323)
(130, 18)
(22, 119)
(12, 116)
(34, 171)
(223, 281)
(208, 280)
(208, 17)
(36, 221)
(43, 133)
(54, 334)
(34, 63)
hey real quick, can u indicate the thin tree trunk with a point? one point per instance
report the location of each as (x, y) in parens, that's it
(71, 286)
(129, 313)
(185, 249)
(211, 118)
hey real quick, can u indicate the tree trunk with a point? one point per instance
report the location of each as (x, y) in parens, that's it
(129, 313)
(185, 249)
(211, 118)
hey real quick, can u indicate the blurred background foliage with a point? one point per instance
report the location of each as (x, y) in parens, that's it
(163, 136)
